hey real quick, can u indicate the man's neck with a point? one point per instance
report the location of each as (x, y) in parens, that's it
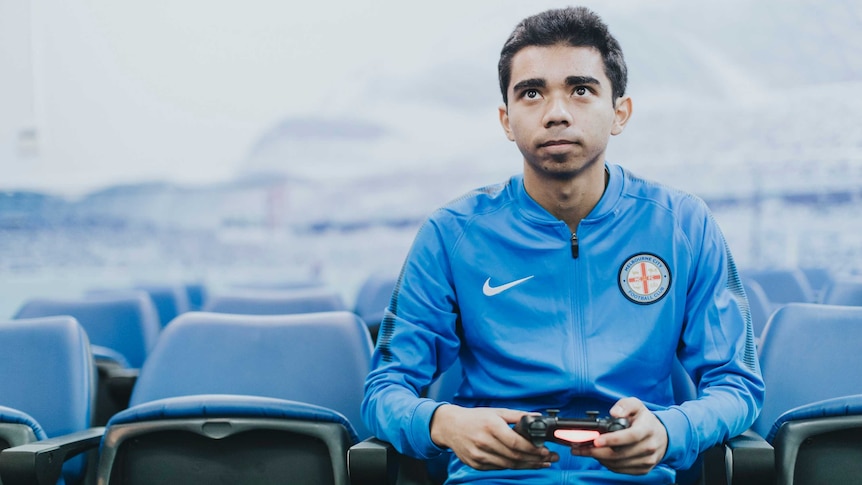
(569, 200)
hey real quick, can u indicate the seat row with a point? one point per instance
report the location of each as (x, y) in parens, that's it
(769, 289)
(808, 352)
(123, 325)
(223, 398)
(129, 323)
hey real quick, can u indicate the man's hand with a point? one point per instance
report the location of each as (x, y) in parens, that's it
(483, 439)
(635, 450)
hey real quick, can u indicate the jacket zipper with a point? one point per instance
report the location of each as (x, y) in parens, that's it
(579, 333)
(575, 248)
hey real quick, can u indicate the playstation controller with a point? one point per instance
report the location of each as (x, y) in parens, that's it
(567, 431)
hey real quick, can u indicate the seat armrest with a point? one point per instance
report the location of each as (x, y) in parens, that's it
(715, 470)
(750, 460)
(372, 462)
(41, 462)
(794, 436)
(105, 356)
(742, 460)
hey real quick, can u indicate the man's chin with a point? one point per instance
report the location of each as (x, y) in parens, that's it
(561, 174)
(566, 170)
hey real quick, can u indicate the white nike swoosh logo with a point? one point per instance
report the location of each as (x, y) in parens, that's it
(489, 290)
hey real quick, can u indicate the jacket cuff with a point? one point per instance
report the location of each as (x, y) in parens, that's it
(420, 429)
(682, 448)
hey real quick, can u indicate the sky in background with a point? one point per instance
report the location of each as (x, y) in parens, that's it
(100, 92)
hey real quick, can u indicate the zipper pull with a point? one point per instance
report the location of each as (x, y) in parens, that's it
(574, 246)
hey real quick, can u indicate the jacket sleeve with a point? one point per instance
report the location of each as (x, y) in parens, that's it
(717, 350)
(416, 343)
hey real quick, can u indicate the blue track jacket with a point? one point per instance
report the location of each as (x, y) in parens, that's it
(542, 318)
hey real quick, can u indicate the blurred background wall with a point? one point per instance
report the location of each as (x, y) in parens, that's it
(228, 142)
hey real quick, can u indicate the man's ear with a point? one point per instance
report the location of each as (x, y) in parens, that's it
(504, 122)
(622, 114)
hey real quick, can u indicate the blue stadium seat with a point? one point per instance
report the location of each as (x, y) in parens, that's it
(122, 327)
(844, 290)
(759, 305)
(818, 278)
(809, 353)
(47, 380)
(168, 299)
(789, 285)
(274, 302)
(197, 295)
(444, 387)
(279, 285)
(242, 399)
(126, 323)
(226, 395)
(372, 299)
(820, 442)
(226, 439)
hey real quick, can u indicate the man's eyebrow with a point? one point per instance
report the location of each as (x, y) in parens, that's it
(581, 80)
(529, 84)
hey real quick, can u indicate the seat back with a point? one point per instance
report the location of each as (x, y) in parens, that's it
(759, 305)
(818, 277)
(196, 292)
(170, 300)
(845, 290)
(446, 385)
(47, 381)
(317, 358)
(47, 372)
(782, 286)
(274, 302)
(125, 322)
(372, 299)
(279, 285)
(809, 352)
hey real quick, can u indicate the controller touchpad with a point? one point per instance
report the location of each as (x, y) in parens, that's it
(575, 435)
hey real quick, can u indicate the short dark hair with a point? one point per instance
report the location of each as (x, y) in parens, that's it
(574, 26)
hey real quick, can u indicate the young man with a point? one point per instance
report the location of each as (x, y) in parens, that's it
(573, 287)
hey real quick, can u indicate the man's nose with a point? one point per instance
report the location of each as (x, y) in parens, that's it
(557, 112)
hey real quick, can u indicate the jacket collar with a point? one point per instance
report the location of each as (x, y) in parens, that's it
(531, 210)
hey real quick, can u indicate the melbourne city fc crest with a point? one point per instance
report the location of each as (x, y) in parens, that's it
(644, 278)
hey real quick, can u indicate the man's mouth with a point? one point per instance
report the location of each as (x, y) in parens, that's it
(552, 143)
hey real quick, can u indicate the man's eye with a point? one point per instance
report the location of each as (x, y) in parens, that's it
(531, 94)
(581, 91)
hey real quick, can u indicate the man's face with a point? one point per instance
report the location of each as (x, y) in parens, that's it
(560, 111)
